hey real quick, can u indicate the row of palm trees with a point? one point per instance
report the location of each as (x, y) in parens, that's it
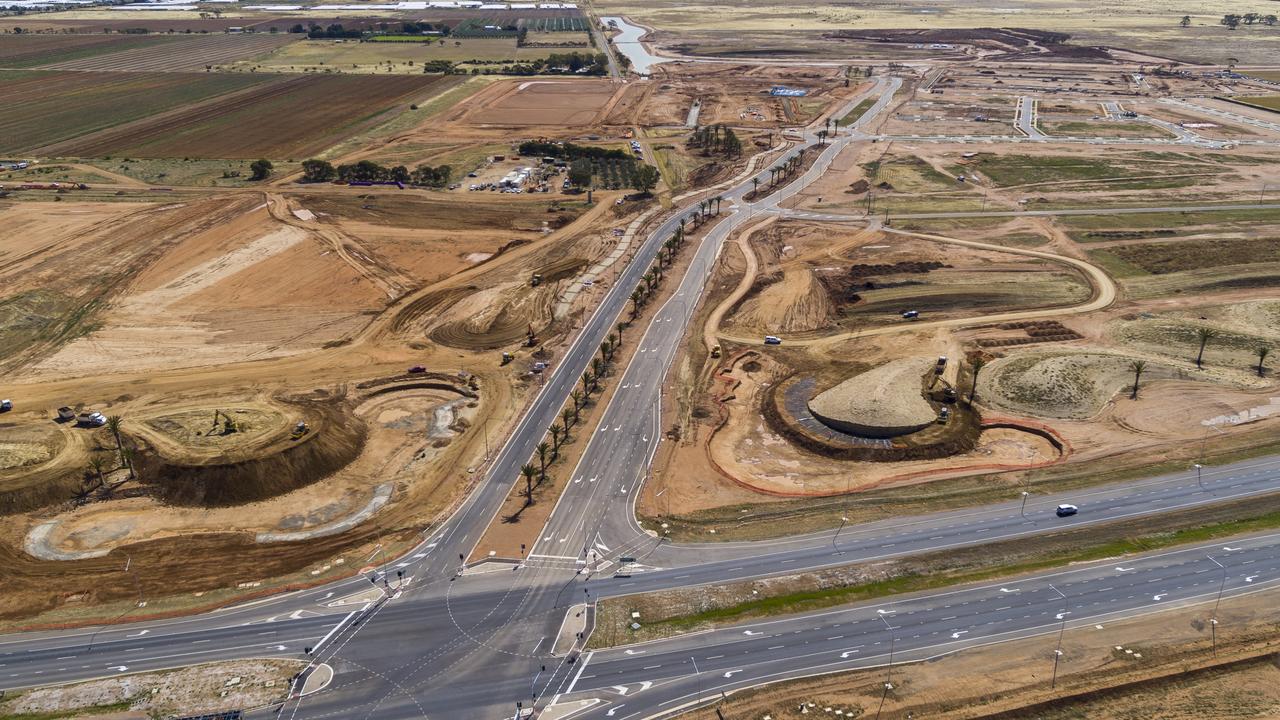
(784, 170)
(603, 361)
(549, 452)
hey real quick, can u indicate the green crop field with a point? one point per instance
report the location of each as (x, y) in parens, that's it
(1268, 102)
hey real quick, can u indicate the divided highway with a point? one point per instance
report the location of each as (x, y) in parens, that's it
(418, 639)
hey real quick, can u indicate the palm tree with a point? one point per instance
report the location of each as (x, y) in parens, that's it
(606, 349)
(113, 425)
(587, 380)
(755, 184)
(1204, 335)
(719, 199)
(637, 297)
(528, 471)
(555, 430)
(977, 368)
(1263, 352)
(1137, 366)
(96, 464)
(569, 416)
(543, 449)
(702, 208)
(620, 327)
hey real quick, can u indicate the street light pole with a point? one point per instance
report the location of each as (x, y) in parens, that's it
(1213, 621)
(1199, 475)
(1062, 629)
(1023, 511)
(843, 519)
(888, 678)
(698, 675)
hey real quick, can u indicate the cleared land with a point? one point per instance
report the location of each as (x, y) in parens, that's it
(43, 108)
(263, 122)
(541, 102)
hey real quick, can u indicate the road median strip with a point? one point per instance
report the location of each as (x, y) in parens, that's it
(674, 612)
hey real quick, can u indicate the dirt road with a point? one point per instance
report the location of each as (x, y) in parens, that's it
(1104, 293)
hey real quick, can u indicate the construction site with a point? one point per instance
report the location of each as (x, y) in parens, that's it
(1025, 265)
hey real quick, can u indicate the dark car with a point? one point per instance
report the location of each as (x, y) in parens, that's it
(417, 369)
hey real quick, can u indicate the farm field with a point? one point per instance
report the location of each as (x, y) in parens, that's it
(1268, 102)
(541, 102)
(45, 107)
(20, 51)
(366, 57)
(263, 122)
(194, 53)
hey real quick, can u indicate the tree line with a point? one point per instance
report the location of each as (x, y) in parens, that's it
(716, 139)
(314, 171)
(1235, 20)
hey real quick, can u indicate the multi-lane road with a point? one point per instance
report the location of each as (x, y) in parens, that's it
(419, 639)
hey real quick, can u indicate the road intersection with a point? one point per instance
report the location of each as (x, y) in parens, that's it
(419, 638)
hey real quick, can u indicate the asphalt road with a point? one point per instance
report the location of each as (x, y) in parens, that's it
(657, 679)
(421, 640)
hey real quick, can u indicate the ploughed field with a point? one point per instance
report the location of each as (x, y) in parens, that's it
(181, 115)
(42, 108)
(19, 51)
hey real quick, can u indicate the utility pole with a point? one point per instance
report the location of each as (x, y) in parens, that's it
(1062, 629)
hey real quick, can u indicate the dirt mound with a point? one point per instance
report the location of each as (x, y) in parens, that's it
(237, 476)
(859, 188)
(1060, 385)
(797, 303)
(495, 317)
(884, 402)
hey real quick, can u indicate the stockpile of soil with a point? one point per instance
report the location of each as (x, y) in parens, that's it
(883, 402)
(335, 438)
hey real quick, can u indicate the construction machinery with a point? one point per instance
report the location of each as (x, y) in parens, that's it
(507, 358)
(531, 337)
(535, 280)
(715, 351)
(299, 430)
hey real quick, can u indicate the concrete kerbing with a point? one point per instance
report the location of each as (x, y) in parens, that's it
(575, 623)
(381, 495)
(557, 711)
(317, 680)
